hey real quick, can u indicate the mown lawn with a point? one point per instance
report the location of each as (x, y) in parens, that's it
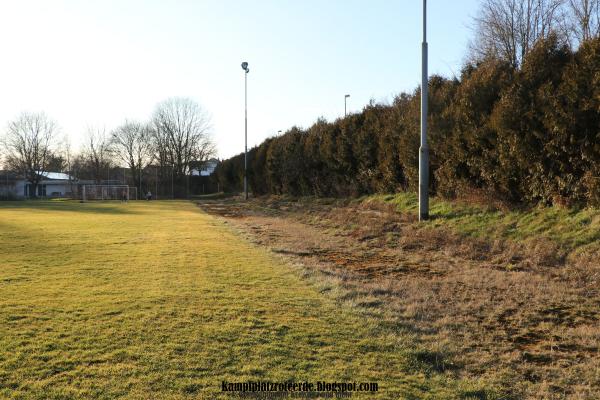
(159, 300)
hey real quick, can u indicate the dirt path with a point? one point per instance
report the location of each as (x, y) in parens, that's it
(484, 310)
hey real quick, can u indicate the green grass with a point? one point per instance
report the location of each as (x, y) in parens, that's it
(158, 300)
(572, 229)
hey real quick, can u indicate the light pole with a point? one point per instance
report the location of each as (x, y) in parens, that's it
(246, 70)
(424, 149)
(345, 98)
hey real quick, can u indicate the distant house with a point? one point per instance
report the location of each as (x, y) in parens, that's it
(52, 184)
(206, 168)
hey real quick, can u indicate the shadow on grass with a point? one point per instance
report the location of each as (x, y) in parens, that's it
(113, 207)
(450, 214)
(214, 196)
(430, 361)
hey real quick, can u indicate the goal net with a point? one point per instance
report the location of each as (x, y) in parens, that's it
(108, 192)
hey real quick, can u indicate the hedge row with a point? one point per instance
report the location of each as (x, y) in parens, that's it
(530, 135)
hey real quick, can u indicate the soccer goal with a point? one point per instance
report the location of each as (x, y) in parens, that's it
(108, 192)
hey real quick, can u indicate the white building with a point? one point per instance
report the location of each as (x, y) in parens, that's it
(52, 184)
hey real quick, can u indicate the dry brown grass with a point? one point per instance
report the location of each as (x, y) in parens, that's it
(521, 315)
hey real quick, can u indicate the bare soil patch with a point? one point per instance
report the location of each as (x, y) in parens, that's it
(523, 316)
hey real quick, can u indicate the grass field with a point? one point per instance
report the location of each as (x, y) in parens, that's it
(159, 300)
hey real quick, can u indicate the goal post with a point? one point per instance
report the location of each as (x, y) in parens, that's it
(108, 192)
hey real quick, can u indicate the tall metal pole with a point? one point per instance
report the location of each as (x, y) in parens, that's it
(246, 133)
(424, 149)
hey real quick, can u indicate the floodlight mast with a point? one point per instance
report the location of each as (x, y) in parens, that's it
(424, 148)
(246, 70)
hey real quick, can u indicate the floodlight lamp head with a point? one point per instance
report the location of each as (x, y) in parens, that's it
(245, 66)
(347, 95)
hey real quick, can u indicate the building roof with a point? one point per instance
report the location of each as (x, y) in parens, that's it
(50, 176)
(59, 176)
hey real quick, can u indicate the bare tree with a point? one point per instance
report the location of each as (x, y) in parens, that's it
(508, 29)
(97, 152)
(584, 19)
(132, 143)
(69, 161)
(29, 141)
(3, 152)
(182, 134)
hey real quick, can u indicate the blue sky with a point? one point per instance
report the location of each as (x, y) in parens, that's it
(95, 63)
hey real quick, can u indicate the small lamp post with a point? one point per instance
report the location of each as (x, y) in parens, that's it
(345, 109)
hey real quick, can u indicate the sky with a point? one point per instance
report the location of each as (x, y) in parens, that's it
(96, 63)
